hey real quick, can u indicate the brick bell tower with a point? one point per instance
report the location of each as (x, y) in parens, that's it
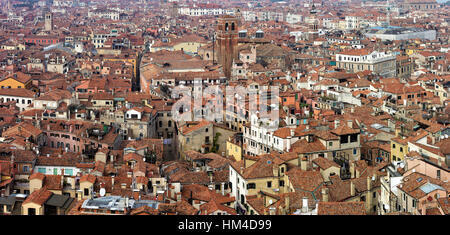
(227, 41)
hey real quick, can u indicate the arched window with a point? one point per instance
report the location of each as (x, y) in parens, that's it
(226, 26)
(232, 26)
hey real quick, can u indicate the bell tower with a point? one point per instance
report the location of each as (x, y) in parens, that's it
(48, 21)
(227, 40)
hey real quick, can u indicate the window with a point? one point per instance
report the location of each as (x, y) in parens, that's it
(374, 194)
(353, 138)
(363, 198)
(26, 168)
(281, 183)
(393, 146)
(344, 139)
(401, 149)
(86, 192)
(269, 184)
(251, 186)
(31, 211)
(355, 151)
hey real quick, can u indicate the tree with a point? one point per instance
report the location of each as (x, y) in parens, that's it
(215, 146)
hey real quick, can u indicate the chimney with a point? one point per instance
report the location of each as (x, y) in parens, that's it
(222, 188)
(336, 123)
(310, 138)
(292, 132)
(28, 145)
(350, 123)
(303, 164)
(112, 182)
(305, 204)
(325, 194)
(352, 189)
(369, 182)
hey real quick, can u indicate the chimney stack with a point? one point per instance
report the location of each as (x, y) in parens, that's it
(352, 189)
(112, 182)
(304, 205)
(222, 188)
(303, 164)
(369, 182)
(325, 194)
